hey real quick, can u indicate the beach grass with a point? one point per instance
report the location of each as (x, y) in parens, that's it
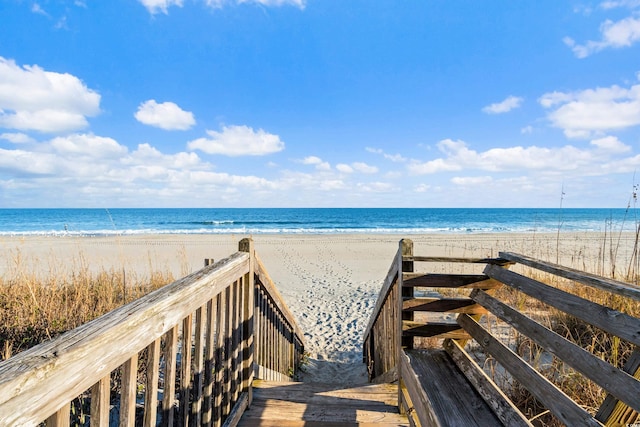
(36, 307)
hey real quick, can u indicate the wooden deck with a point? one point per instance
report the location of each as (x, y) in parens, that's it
(323, 405)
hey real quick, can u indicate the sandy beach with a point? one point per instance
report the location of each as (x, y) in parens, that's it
(330, 282)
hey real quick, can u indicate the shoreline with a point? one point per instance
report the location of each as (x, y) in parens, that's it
(329, 282)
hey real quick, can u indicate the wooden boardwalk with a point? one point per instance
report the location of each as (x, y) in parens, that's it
(280, 404)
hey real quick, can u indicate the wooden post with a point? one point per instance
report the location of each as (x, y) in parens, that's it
(405, 250)
(246, 245)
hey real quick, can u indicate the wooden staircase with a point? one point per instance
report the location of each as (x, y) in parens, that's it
(292, 404)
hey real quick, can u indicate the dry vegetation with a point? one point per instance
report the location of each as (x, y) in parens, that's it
(34, 308)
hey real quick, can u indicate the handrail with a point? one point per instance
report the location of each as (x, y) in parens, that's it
(209, 318)
(275, 324)
(622, 404)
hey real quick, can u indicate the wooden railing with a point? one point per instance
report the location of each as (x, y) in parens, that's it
(417, 363)
(182, 355)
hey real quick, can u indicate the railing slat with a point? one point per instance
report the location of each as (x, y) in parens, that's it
(439, 305)
(546, 392)
(128, 393)
(100, 402)
(169, 389)
(605, 318)
(219, 362)
(151, 388)
(185, 368)
(609, 285)
(448, 281)
(610, 378)
(198, 366)
(209, 364)
(61, 418)
(499, 402)
(74, 361)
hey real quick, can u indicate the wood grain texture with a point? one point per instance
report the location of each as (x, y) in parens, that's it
(74, 361)
(546, 392)
(316, 404)
(440, 390)
(432, 280)
(440, 305)
(128, 393)
(617, 382)
(605, 318)
(609, 285)
(490, 392)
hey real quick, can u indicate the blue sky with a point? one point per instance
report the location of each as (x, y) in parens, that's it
(319, 103)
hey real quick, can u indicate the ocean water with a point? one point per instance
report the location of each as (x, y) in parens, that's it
(94, 222)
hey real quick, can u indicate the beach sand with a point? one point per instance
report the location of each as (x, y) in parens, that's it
(329, 282)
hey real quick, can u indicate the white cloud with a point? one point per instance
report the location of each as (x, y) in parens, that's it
(36, 8)
(619, 34)
(318, 162)
(422, 188)
(458, 157)
(167, 115)
(471, 180)
(612, 4)
(344, 168)
(396, 158)
(156, 6)
(357, 167)
(364, 168)
(526, 130)
(17, 138)
(508, 104)
(581, 113)
(88, 145)
(611, 144)
(238, 141)
(34, 99)
(269, 3)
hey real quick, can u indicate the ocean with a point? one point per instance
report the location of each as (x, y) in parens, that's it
(98, 222)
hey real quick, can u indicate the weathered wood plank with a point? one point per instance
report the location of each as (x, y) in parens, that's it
(238, 409)
(502, 406)
(128, 393)
(469, 281)
(274, 294)
(61, 417)
(170, 375)
(614, 286)
(100, 402)
(185, 369)
(546, 392)
(497, 261)
(610, 378)
(198, 366)
(74, 361)
(441, 393)
(434, 329)
(387, 285)
(151, 388)
(606, 412)
(209, 363)
(605, 318)
(317, 404)
(440, 305)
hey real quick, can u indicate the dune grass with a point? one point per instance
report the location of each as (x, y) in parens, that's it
(35, 308)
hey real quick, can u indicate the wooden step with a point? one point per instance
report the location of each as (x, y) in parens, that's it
(323, 405)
